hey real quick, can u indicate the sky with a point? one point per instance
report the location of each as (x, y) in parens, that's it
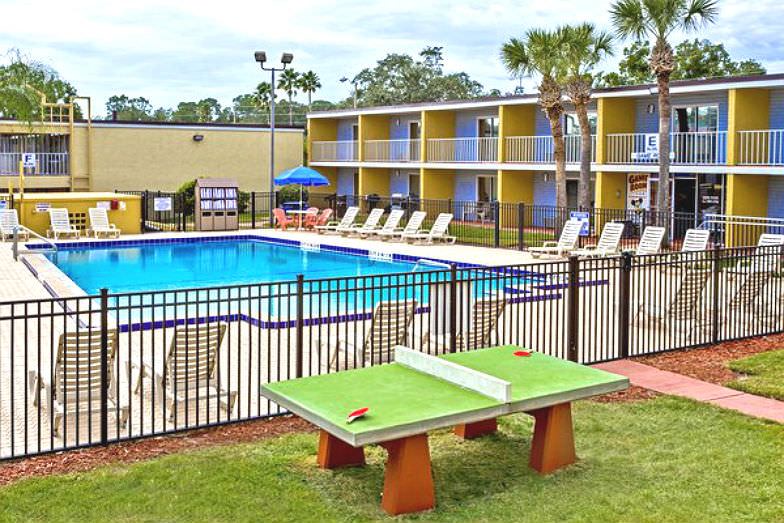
(171, 51)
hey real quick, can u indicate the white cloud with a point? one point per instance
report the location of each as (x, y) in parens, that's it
(172, 51)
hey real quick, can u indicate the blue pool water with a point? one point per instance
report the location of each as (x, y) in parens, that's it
(151, 267)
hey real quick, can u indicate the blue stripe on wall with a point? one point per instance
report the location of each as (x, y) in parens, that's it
(345, 181)
(649, 123)
(776, 197)
(398, 184)
(344, 129)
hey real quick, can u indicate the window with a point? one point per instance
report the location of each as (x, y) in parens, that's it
(485, 189)
(413, 130)
(696, 118)
(572, 124)
(488, 127)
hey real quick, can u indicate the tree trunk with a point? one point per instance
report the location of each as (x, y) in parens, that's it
(560, 161)
(291, 112)
(584, 187)
(663, 194)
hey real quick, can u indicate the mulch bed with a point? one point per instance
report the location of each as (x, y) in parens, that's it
(633, 393)
(710, 363)
(145, 449)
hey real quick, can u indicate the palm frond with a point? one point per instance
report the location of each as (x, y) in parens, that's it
(629, 19)
(700, 13)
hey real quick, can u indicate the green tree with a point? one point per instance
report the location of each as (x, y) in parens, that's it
(584, 47)
(309, 83)
(703, 59)
(134, 109)
(24, 81)
(541, 52)
(657, 20)
(289, 83)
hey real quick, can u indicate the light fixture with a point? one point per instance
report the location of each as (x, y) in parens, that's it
(651, 108)
(198, 137)
(260, 56)
(618, 194)
(286, 58)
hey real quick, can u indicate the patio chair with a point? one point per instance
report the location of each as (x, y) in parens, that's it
(60, 225)
(335, 227)
(371, 224)
(310, 219)
(413, 225)
(684, 308)
(281, 219)
(608, 242)
(748, 302)
(100, 226)
(189, 370)
(564, 245)
(651, 240)
(393, 220)
(438, 232)
(75, 390)
(324, 217)
(763, 258)
(695, 240)
(9, 222)
(389, 327)
(484, 320)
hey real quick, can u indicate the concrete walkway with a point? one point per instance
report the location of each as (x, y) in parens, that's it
(676, 384)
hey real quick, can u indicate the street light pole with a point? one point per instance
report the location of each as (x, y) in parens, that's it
(285, 59)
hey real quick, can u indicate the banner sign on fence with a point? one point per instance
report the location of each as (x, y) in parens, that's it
(42, 206)
(162, 204)
(29, 160)
(585, 217)
(3, 204)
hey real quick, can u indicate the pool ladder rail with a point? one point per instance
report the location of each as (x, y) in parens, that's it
(52, 248)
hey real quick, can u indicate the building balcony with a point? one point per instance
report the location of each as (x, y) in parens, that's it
(539, 149)
(762, 147)
(47, 164)
(462, 150)
(686, 148)
(392, 150)
(335, 151)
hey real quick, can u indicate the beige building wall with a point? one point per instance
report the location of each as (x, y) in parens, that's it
(161, 157)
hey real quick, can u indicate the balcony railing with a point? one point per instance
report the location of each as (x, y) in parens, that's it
(462, 150)
(539, 149)
(335, 151)
(687, 148)
(763, 147)
(392, 150)
(47, 164)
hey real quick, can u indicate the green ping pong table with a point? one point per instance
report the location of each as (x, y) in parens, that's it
(419, 393)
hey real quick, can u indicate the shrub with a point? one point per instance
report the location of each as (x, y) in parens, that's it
(290, 193)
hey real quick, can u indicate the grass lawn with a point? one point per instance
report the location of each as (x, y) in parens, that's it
(764, 374)
(663, 460)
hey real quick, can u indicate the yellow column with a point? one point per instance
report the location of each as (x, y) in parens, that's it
(615, 115)
(436, 183)
(372, 180)
(320, 130)
(514, 186)
(745, 194)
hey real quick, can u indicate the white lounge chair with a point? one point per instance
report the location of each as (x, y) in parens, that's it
(683, 309)
(695, 240)
(189, 370)
(413, 225)
(335, 226)
(9, 222)
(650, 241)
(388, 328)
(484, 320)
(565, 244)
(100, 226)
(371, 224)
(60, 225)
(749, 302)
(608, 244)
(763, 258)
(438, 232)
(75, 390)
(393, 220)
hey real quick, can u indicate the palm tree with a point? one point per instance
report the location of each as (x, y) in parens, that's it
(541, 52)
(584, 47)
(309, 82)
(262, 96)
(656, 20)
(289, 82)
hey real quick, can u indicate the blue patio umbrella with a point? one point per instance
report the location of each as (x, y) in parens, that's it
(302, 176)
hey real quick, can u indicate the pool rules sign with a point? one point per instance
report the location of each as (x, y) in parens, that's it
(29, 161)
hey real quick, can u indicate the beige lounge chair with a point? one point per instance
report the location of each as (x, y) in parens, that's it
(684, 309)
(484, 320)
(60, 225)
(763, 258)
(336, 226)
(413, 225)
(9, 222)
(388, 328)
(565, 244)
(438, 232)
(189, 370)
(371, 224)
(393, 220)
(651, 240)
(100, 226)
(608, 244)
(75, 390)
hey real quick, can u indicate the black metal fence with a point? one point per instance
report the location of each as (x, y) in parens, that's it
(89, 370)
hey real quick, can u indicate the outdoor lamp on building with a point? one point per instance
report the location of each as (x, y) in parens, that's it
(285, 59)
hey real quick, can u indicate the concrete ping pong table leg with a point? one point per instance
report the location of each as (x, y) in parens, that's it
(553, 443)
(334, 452)
(408, 481)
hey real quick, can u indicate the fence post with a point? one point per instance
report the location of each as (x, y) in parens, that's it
(574, 309)
(716, 270)
(497, 225)
(625, 303)
(452, 308)
(300, 324)
(104, 366)
(145, 203)
(521, 226)
(253, 209)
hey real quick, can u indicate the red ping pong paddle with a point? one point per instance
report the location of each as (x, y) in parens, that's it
(522, 353)
(357, 414)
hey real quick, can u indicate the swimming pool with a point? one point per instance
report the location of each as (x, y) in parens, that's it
(162, 266)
